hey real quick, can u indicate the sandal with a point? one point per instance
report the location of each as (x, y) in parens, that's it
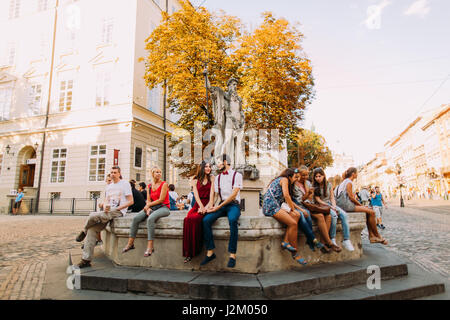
(323, 247)
(187, 259)
(382, 241)
(300, 260)
(334, 247)
(148, 253)
(287, 246)
(128, 248)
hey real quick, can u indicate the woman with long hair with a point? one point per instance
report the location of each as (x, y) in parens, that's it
(346, 199)
(279, 205)
(324, 195)
(204, 199)
(157, 207)
(303, 193)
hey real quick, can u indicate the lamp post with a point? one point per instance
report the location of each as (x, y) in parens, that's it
(399, 171)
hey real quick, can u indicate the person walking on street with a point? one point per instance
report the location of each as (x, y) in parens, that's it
(364, 195)
(18, 200)
(377, 204)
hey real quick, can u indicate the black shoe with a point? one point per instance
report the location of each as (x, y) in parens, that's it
(208, 259)
(231, 263)
(382, 227)
(84, 264)
(81, 236)
(378, 226)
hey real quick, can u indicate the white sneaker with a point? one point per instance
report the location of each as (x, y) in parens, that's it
(334, 242)
(348, 245)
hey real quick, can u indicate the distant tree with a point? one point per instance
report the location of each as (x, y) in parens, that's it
(309, 149)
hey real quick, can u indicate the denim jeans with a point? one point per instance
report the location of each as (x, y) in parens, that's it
(305, 225)
(233, 211)
(345, 226)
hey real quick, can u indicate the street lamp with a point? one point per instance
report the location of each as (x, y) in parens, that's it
(399, 171)
(8, 149)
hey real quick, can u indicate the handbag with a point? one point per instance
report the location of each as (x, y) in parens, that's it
(317, 208)
(158, 206)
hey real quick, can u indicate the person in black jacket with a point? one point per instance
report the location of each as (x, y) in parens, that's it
(142, 188)
(139, 201)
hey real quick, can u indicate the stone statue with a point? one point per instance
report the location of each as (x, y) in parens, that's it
(229, 120)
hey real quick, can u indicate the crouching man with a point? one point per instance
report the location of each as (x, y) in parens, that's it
(118, 197)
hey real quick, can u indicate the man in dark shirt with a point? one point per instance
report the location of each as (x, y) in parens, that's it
(139, 201)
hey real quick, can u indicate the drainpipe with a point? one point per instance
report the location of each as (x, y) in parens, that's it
(38, 194)
(164, 116)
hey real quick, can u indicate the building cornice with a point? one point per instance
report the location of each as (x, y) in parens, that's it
(440, 114)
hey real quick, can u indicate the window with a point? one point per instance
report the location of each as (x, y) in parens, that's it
(10, 58)
(5, 103)
(58, 173)
(138, 157)
(1, 163)
(97, 163)
(42, 5)
(103, 86)
(65, 95)
(107, 30)
(153, 99)
(35, 100)
(55, 195)
(94, 195)
(151, 161)
(43, 45)
(14, 9)
(173, 9)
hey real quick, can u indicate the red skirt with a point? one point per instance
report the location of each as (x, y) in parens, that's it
(193, 232)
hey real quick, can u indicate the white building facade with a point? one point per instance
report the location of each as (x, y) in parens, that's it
(80, 60)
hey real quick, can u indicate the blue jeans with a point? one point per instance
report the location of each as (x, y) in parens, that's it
(233, 211)
(345, 226)
(305, 225)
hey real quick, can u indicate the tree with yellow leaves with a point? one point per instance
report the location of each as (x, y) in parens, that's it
(178, 50)
(309, 149)
(276, 78)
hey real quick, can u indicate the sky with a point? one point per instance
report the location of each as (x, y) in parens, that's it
(377, 63)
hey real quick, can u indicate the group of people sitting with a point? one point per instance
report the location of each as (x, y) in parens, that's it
(291, 199)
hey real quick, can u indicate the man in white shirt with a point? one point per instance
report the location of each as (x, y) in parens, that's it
(118, 197)
(227, 187)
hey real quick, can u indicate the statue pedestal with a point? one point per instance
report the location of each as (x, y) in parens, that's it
(258, 245)
(250, 198)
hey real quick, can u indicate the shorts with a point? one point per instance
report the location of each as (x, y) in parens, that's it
(17, 204)
(378, 211)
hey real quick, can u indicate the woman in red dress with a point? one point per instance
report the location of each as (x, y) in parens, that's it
(204, 199)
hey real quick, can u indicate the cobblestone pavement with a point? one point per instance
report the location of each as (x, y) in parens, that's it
(26, 243)
(418, 232)
(421, 233)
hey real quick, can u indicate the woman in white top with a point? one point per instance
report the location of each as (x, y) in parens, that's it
(347, 201)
